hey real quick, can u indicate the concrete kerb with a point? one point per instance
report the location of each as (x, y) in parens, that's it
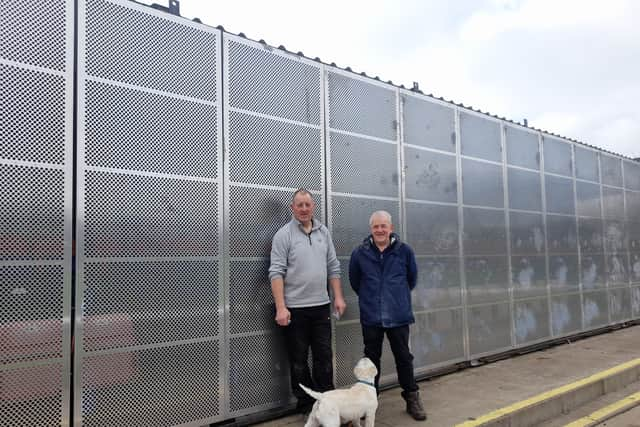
(561, 400)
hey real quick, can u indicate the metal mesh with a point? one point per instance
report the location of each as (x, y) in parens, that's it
(566, 314)
(557, 156)
(489, 328)
(251, 307)
(632, 205)
(561, 234)
(124, 389)
(482, 184)
(522, 148)
(620, 304)
(32, 396)
(428, 124)
(632, 175)
(487, 279)
(31, 318)
(586, 164)
(595, 308)
(430, 176)
(360, 107)
(524, 190)
(433, 229)
(527, 233)
(588, 196)
(268, 83)
(270, 152)
(132, 129)
(363, 166)
(34, 213)
(592, 271)
(258, 371)
(635, 301)
(484, 232)
(350, 224)
(563, 273)
(437, 337)
(158, 301)
(559, 192)
(611, 170)
(32, 124)
(33, 32)
(528, 276)
(613, 203)
(480, 137)
(438, 283)
(590, 232)
(166, 53)
(254, 217)
(531, 320)
(129, 215)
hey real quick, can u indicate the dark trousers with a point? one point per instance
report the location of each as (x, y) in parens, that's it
(310, 327)
(373, 337)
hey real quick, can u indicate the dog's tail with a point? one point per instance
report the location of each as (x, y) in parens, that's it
(311, 393)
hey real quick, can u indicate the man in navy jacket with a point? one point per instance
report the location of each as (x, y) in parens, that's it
(382, 272)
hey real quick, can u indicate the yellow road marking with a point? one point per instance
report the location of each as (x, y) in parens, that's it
(499, 413)
(607, 412)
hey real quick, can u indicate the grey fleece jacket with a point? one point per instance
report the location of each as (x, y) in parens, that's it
(305, 262)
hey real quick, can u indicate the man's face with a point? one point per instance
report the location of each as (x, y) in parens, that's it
(302, 207)
(381, 230)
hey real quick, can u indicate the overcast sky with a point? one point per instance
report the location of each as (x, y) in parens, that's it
(571, 67)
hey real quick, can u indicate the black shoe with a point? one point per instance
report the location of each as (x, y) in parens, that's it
(414, 405)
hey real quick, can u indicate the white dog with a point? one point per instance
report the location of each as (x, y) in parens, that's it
(336, 407)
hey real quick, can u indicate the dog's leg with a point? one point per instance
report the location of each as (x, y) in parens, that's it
(312, 421)
(370, 419)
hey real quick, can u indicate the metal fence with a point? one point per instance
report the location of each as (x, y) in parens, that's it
(188, 144)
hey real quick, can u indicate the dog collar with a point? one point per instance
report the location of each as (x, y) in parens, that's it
(367, 383)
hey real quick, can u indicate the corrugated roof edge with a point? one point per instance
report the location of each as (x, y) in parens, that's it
(401, 86)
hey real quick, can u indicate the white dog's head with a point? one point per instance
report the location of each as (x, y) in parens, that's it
(365, 369)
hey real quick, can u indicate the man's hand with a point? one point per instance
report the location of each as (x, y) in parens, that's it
(283, 317)
(339, 305)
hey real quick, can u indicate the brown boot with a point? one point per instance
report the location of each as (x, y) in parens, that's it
(414, 405)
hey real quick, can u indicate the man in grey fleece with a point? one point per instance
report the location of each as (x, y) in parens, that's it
(303, 258)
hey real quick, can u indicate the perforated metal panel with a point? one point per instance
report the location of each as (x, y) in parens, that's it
(632, 175)
(428, 124)
(595, 307)
(36, 128)
(561, 234)
(557, 156)
(149, 219)
(613, 202)
(482, 184)
(527, 233)
(588, 199)
(559, 193)
(611, 170)
(524, 190)
(480, 137)
(620, 304)
(528, 276)
(563, 273)
(484, 232)
(566, 314)
(489, 328)
(531, 319)
(430, 176)
(487, 279)
(590, 233)
(592, 271)
(522, 148)
(586, 164)
(434, 229)
(437, 337)
(438, 283)
(250, 301)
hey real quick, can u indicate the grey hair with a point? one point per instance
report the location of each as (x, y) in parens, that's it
(384, 214)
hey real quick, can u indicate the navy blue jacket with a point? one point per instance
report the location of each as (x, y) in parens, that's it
(383, 282)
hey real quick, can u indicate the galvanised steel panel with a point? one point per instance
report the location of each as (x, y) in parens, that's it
(527, 233)
(349, 349)
(615, 237)
(265, 151)
(36, 177)
(258, 371)
(590, 235)
(528, 276)
(172, 136)
(617, 269)
(566, 314)
(561, 234)
(632, 205)
(33, 125)
(37, 34)
(632, 175)
(480, 137)
(482, 184)
(131, 386)
(484, 232)
(169, 50)
(557, 156)
(438, 283)
(531, 320)
(437, 337)
(611, 170)
(563, 273)
(524, 190)
(149, 221)
(523, 148)
(350, 220)
(633, 236)
(430, 176)
(635, 267)
(363, 166)
(635, 301)
(586, 162)
(428, 124)
(358, 106)
(559, 194)
(620, 304)
(351, 299)
(588, 199)
(250, 300)
(273, 85)
(489, 328)
(487, 279)
(613, 202)
(592, 271)
(595, 308)
(432, 229)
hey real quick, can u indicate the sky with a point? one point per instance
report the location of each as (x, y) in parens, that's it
(570, 67)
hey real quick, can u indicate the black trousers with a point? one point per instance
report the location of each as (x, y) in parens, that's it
(373, 337)
(310, 327)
